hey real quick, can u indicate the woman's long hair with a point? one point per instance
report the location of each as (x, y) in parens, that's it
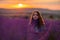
(40, 19)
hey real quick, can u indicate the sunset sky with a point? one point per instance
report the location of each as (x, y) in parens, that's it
(47, 4)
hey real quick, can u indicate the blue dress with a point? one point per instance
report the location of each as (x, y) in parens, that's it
(39, 29)
(36, 28)
(35, 33)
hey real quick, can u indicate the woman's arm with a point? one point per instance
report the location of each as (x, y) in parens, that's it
(46, 32)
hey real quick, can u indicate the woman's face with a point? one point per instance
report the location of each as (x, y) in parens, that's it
(35, 16)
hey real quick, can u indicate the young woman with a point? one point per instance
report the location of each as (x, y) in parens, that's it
(37, 20)
(37, 29)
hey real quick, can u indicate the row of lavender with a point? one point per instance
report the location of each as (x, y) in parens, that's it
(16, 28)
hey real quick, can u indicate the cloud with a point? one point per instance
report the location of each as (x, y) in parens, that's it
(48, 3)
(31, 2)
(51, 4)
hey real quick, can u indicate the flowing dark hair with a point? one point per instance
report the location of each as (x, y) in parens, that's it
(40, 19)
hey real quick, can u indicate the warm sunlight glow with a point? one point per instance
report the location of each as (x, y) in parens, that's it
(46, 4)
(20, 5)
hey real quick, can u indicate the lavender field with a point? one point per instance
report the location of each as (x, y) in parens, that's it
(18, 29)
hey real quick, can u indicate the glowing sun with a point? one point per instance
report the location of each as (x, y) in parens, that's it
(20, 5)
